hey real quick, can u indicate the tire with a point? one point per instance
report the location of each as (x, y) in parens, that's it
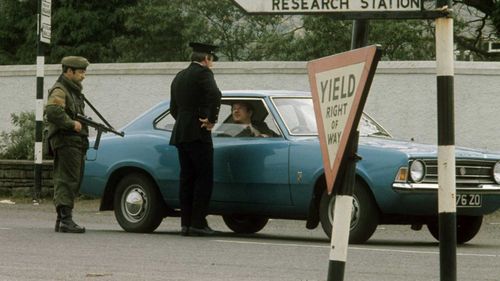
(364, 218)
(245, 224)
(137, 204)
(467, 228)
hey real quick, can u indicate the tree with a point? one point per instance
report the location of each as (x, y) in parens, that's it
(242, 37)
(478, 22)
(159, 30)
(17, 31)
(87, 28)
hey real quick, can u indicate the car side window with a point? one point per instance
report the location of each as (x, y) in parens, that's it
(259, 123)
(165, 122)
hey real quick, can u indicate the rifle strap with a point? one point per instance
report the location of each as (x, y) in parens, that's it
(97, 112)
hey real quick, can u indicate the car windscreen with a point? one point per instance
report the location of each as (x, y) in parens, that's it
(298, 116)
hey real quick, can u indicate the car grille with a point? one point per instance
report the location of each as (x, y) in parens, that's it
(469, 173)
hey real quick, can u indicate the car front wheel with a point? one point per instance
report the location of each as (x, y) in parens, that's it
(364, 216)
(245, 224)
(467, 228)
(137, 204)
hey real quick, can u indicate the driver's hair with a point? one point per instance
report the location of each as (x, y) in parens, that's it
(245, 104)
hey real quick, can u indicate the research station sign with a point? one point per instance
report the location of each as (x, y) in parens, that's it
(329, 6)
(339, 87)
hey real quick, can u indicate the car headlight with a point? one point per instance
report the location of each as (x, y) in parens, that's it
(496, 172)
(417, 171)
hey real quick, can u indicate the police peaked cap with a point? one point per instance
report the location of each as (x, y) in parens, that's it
(75, 62)
(204, 48)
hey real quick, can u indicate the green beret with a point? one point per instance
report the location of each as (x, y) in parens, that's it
(75, 62)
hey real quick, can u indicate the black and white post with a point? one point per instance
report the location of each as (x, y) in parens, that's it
(40, 61)
(446, 146)
(43, 32)
(343, 197)
(342, 214)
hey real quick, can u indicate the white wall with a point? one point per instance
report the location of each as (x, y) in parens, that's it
(403, 96)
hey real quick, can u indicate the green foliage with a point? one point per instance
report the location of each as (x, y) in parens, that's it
(495, 18)
(113, 31)
(17, 32)
(156, 30)
(242, 37)
(322, 36)
(19, 143)
(87, 28)
(404, 40)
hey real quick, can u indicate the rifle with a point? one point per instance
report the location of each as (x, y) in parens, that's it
(98, 126)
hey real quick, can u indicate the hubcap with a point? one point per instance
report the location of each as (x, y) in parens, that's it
(355, 213)
(134, 203)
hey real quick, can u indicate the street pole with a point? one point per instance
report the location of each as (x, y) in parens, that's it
(343, 196)
(342, 213)
(446, 146)
(43, 35)
(359, 37)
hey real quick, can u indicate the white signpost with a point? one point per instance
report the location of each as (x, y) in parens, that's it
(44, 34)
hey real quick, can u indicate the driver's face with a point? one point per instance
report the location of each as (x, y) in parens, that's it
(241, 114)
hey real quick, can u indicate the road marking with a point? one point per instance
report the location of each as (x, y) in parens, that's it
(271, 244)
(422, 252)
(355, 248)
(5, 228)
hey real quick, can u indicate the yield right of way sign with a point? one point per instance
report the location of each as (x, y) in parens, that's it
(339, 86)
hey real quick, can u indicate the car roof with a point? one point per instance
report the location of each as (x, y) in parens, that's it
(254, 94)
(264, 93)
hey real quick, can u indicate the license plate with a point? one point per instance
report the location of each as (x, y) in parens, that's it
(469, 200)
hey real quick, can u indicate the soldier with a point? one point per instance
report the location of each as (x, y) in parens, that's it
(68, 139)
(195, 103)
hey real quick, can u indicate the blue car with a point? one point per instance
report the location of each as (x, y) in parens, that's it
(281, 175)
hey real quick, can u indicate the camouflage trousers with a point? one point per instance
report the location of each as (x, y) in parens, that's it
(69, 163)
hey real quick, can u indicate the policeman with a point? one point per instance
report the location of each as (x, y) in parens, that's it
(68, 139)
(195, 102)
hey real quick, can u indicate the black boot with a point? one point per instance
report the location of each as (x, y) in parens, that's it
(67, 223)
(58, 219)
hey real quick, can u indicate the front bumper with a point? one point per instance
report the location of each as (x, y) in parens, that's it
(433, 187)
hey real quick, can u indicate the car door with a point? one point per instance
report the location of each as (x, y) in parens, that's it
(250, 170)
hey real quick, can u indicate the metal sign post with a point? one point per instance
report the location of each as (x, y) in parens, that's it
(446, 147)
(43, 32)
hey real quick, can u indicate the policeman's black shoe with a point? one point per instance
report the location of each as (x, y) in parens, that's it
(206, 231)
(185, 230)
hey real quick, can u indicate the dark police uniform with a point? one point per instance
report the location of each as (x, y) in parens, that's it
(68, 146)
(194, 95)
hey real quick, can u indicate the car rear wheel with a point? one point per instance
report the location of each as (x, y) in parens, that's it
(467, 228)
(364, 216)
(245, 224)
(137, 204)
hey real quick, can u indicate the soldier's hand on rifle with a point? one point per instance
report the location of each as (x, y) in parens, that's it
(78, 126)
